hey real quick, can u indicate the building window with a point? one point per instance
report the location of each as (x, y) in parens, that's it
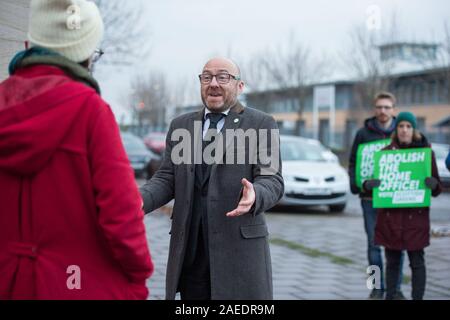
(421, 124)
(324, 131)
(400, 93)
(293, 105)
(301, 128)
(417, 94)
(351, 127)
(430, 93)
(434, 91)
(441, 91)
(408, 94)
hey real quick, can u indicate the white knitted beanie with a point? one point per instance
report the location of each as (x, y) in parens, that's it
(73, 28)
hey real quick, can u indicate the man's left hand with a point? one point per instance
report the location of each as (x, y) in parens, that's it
(247, 200)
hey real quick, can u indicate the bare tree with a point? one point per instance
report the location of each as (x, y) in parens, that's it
(362, 58)
(291, 68)
(446, 43)
(254, 75)
(126, 37)
(149, 99)
(186, 91)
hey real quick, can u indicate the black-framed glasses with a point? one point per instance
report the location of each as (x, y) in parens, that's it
(98, 53)
(384, 107)
(221, 78)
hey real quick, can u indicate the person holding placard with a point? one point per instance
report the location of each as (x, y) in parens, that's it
(406, 228)
(374, 136)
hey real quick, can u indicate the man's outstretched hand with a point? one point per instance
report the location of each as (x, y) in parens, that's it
(247, 200)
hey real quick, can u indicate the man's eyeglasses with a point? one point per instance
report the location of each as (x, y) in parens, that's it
(222, 77)
(98, 53)
(383, 107)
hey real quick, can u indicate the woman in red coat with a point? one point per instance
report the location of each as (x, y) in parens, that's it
(406, 228)
(71, 223)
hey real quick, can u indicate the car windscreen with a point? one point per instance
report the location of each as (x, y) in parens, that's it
(133, 144)
(440, 151)
(299, 151)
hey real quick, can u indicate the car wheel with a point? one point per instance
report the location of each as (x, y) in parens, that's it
(337, 207)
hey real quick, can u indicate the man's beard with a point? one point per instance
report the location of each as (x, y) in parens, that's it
(223, 108)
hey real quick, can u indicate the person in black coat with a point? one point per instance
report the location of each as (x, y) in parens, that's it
(376, 128)
(408, 229)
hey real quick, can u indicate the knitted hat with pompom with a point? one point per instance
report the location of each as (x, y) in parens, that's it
(73, 28)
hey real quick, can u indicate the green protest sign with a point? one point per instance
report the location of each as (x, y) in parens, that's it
(402, 174)
(364, 159)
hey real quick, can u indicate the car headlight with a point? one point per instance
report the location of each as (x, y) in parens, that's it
(288, 178)
(341, 178)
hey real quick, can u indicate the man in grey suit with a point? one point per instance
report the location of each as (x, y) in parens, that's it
(219, 239)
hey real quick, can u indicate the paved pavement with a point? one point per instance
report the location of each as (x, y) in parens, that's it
(318, 255)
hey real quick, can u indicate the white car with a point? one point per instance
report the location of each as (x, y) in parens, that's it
(311, 176)
(441, 152)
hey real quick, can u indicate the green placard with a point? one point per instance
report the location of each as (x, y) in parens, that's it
(402, 174)
(364, 159)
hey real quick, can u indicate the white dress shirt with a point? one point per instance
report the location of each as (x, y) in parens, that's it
(219, 124)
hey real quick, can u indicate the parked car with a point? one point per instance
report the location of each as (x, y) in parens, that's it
(311, 176)
(441, 152)
(156, 142)
(141, 159)
(326, 153)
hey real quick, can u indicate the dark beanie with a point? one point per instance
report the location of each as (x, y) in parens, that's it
(407, 116)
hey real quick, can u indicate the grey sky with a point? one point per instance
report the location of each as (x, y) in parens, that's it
(184, 34)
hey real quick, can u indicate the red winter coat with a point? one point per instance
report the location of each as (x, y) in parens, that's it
(406, 228)
(67, 194)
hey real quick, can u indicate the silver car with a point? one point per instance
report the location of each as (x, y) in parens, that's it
(441, 152)
(312, 177)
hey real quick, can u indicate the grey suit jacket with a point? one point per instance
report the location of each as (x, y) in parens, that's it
(240, 262)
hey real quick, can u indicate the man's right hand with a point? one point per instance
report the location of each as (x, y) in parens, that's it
(369, 185)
